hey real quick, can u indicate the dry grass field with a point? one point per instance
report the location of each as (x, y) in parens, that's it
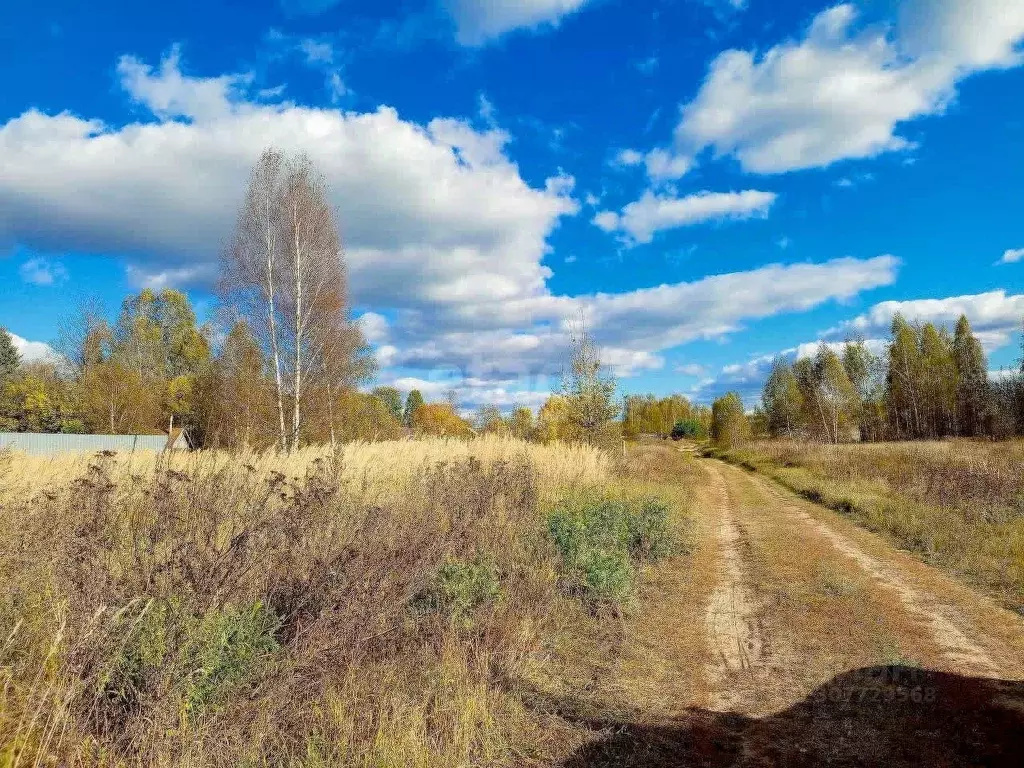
(376, 470)
(387, 606)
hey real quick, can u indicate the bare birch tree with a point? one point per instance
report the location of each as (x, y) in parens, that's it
(83, 338)
(251, 266)
(284, 274)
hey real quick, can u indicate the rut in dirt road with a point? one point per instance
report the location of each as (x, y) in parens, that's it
(963, 654)
(733, 632)
(941, 612)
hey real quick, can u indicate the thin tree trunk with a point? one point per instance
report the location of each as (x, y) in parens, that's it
(272, 318)
(821, 412)
(296, 416)
(330, 415)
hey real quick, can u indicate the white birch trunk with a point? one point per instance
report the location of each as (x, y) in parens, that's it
(296, 415)
(275, 351)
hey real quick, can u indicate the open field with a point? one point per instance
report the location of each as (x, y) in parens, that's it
(387, 606)
(373, 469)
(480, 603)
(957, 504)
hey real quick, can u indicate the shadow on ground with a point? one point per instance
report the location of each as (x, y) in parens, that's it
(877, 716)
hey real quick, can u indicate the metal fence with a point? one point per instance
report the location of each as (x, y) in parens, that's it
(48, 445)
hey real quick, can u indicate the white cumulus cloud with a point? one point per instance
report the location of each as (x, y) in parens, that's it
(653, 213)
(843, 91)
(994, 316)
(747, 379)
(32, 351)
(43, 271)
(480, 21)
(1012, 256)
(432, 213)
(445, 240)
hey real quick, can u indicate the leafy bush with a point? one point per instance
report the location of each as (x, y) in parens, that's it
(200, 658)
(688, 428)
(459, 588)
(650, 536)
(602, 542)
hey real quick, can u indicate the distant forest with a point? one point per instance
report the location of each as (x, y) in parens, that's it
(927, 384)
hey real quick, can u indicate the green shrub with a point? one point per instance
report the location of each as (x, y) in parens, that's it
(200, 658)
(230, 645)
(650, 536)
(688, 428)
(459, 588)
(593, 539)
(602, 541)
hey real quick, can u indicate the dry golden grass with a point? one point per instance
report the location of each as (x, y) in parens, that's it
(957, 504)
(263, 610)
(378, 471)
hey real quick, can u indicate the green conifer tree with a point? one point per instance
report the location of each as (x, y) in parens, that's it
(413, 402)
(10, 358)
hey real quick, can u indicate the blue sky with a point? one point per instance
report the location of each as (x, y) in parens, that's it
(707, 182)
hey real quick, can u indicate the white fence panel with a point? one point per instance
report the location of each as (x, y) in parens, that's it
(48, 445)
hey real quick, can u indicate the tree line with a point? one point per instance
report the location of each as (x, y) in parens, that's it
(927, 384)
(155, 368)
(282, 364)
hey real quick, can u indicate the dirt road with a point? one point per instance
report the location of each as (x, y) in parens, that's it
(821, 644)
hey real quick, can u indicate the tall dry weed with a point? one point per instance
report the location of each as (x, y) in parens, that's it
(215, 611)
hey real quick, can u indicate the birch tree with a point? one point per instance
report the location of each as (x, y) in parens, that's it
(284, 274)
(589, 392)
(252, 264)
(729, 424)
(835, 395)
(782, 399)
(903, 379)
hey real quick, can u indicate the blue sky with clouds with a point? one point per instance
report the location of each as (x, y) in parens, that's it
(708, 182)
